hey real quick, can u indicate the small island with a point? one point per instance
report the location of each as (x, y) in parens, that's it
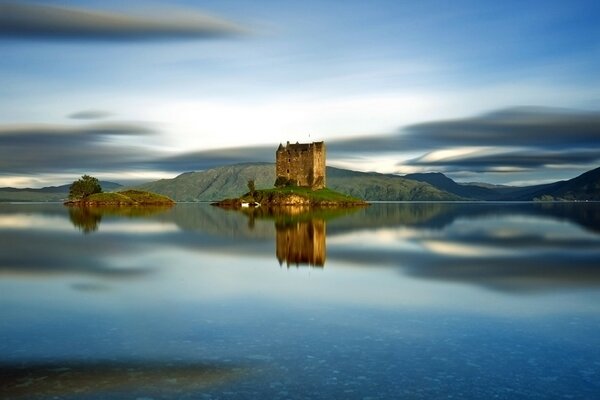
(292, 196)
(300, 170)
(125, 198)
(87, 192)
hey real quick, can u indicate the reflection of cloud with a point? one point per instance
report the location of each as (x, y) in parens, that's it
(52, 22)
(90, 287)
(462, 249)
(63, 255)
(72, 378)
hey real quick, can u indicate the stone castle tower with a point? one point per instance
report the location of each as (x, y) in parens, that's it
(301, 164)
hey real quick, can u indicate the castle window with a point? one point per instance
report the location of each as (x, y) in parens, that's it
(288, 171)
(289, 160)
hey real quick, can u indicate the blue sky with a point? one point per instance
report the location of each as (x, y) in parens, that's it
(391, 86)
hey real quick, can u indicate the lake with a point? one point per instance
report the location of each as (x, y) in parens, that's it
(397, 300)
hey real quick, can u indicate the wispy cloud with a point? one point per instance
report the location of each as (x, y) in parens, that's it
(199, 160)
(37, 21)
(59, 148)
(544, 128)
(522, 137)
(90, 114)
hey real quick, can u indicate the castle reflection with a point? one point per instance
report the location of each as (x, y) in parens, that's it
(301, 242)
(300, 231)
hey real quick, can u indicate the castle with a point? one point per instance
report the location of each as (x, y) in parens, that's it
(301, 164)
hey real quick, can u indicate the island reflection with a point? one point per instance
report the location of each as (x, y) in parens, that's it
(300, 231)
(510, 247)
(87, 219)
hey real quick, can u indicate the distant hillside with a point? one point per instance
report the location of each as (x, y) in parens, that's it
(382, 187)
(214, 184)
(583, 187)
(49, 193)
(442, 182)
(231, 181)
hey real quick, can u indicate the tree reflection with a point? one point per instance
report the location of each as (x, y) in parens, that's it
(87, 219)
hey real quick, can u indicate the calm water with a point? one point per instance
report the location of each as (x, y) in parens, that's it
(392, 301)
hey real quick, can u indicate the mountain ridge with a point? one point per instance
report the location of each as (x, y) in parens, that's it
(580, 188)
(231, 181)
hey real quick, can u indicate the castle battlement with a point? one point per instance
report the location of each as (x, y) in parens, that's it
(302, 164)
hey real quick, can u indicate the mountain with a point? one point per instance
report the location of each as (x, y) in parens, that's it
(583, 187)
(49, 193)
(442, 182)
(231, 181)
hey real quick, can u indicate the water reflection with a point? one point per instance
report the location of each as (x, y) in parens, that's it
(190, 302)
(88, 218)
(301, 242)
(516, 247)
(58, 379)
(300, 231)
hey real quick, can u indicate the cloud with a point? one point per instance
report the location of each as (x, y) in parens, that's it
(543, 128)
(514, 138)
(200, 160)
(90, 114)
(515, 159)
(51, 22)
(59, 148)
(536, 127)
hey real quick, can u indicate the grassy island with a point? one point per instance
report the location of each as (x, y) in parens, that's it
(125, 198)
(293, 196)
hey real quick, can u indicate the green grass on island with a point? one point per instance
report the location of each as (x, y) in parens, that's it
(125, 198)
(294, 195)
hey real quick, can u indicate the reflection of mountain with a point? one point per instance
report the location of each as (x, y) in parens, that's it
(302, 242)
(508, 246)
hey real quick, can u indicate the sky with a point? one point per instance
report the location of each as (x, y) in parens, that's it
(483, 91)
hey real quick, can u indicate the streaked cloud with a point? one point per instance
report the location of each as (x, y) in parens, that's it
(516, 159)
(514, 140)
(544, 128)
(38, 21)
(506, 140)
(59, 148)
(199, 160)
(90, 114)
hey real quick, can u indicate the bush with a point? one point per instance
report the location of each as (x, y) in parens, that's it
(83, 187)
(282, 181)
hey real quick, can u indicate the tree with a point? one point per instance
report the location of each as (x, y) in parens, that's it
(83, 187)
(251, 186)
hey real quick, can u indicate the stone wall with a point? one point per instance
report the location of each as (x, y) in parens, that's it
(302, 163)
